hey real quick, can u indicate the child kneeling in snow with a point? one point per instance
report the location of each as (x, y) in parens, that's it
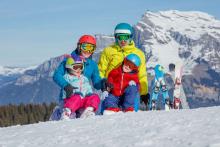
(83, 97)
(123, 86)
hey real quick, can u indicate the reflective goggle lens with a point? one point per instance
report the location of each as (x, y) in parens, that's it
(77, 66)
(124, 37)
(131, 65)
(88, 47)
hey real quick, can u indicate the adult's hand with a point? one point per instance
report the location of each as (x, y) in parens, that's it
(106, 86)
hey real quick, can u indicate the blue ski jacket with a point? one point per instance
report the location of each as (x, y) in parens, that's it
(91, 71)
(81, 83)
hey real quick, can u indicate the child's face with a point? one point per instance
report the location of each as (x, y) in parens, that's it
(86, 54)
(126, 68)
(77, 69)
(77, 72)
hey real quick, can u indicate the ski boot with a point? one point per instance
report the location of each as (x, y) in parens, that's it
(167, 105)
(129, 109)
(65, 114)
(177, 103)
(88, 112)
(153, 105)
(110, 111)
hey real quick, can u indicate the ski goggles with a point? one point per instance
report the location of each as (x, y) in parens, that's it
(123, 37)
(88, 47)
(77, 66)
(131, 65)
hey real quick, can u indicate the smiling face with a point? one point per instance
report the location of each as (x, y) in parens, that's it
(123, 43)
(129, 66)
(77, 72)
(126, 68)
(86, 54)
(87, 49)
(76, 69)
(123, 39)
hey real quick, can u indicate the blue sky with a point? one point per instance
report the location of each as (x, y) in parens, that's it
(32, 31)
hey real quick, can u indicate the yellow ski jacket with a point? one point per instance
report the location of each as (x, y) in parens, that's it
(113, 56)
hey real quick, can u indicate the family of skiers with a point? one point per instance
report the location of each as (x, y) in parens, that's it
(120, 73)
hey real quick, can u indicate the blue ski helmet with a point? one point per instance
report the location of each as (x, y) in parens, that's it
(123, 28)
(134, 59)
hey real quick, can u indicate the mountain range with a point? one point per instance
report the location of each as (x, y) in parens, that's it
(189, 38)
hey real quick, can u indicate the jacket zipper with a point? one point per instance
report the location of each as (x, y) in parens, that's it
(121, 82)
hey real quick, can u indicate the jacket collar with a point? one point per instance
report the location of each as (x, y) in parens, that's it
(128, 48)
(76, 52)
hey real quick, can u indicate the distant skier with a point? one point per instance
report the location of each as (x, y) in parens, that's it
(123, 86)
(85, 48)
(83, 96)
(113, 55)
(159, 86)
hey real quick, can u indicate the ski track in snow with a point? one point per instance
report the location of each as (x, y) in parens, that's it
(183, 128)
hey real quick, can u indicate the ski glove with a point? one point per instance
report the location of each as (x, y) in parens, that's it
(69, 90)
(106, 86)
(103, 84)
(132, 83)
(145, 99)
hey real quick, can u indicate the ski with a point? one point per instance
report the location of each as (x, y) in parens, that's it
(177, 86)
(159, 86)
(177, 71)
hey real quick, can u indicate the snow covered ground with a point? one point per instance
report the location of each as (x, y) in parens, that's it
(193, 128)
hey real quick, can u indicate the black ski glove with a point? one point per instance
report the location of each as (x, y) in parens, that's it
(145, 99)
(69, 90)
(106, 86)
(109, 86)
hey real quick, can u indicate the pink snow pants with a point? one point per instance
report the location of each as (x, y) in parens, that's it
(75, 102)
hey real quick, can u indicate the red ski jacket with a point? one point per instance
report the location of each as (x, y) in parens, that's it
(120, 80)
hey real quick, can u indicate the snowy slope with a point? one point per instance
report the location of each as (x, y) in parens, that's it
(184, 128)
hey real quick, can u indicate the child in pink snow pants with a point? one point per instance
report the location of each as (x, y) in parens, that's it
(75, 102)
(83, 97)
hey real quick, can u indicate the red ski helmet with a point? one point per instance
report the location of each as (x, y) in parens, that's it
(87, 39)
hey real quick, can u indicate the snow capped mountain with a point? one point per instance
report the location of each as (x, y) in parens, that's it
(7, 71)
(9, 74)
(176, 36)
(45, 70)
(33, 86)
(188, 38)
(183, 128)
